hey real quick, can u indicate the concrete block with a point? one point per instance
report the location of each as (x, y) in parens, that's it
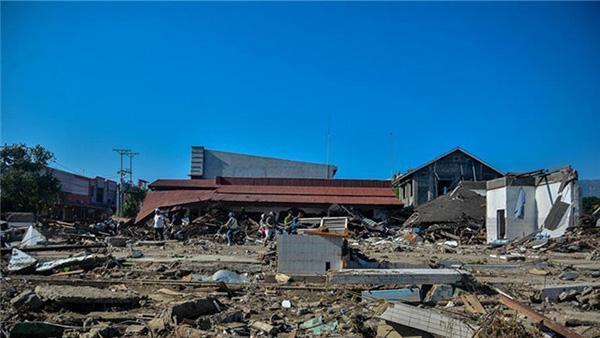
(397, 276)
(86, 295)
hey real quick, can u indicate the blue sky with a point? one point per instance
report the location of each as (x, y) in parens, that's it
(396, 84)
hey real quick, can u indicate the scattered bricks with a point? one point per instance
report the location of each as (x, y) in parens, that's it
(85, 295)
(26, 301)
(192, 309)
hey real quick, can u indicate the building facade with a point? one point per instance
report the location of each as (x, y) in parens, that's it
(438, 176)
(83, 198)
(206, 163)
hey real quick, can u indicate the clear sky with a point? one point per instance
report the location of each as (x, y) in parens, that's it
(396, 84)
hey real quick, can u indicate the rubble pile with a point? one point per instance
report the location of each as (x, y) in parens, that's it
(459, 216)
(110, 279)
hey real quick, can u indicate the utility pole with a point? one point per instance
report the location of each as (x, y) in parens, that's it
(131, 155)
(122, 174)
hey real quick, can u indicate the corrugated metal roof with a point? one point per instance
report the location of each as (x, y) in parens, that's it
(181, 192)
(170, 198)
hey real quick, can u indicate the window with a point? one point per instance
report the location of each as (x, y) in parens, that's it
(100, 195)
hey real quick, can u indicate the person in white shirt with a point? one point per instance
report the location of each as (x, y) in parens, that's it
(159, 225)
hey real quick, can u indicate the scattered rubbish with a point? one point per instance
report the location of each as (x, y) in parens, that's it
(317, 327)
(84, 261)
(224, 276)
(192, 308)
(136, 253)
(20, 261)
(286, 304)
(32, 238)
(568, 275)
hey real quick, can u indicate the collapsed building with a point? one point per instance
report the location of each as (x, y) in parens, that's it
(521, 204)
(256, 195)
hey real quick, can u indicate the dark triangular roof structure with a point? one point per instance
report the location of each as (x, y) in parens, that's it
(412, 171)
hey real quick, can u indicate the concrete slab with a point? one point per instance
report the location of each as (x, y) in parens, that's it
(428, 320)
(408, 295)
(397, 276)
(85, 295)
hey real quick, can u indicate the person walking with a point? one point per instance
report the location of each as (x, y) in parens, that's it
(232, 226)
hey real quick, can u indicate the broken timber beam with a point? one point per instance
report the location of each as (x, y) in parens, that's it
(537, 318)
(397, 276)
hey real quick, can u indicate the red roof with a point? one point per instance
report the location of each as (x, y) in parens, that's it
(184, 192)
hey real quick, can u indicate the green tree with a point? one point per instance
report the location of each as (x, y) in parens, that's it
(25, 183)
(133, 200)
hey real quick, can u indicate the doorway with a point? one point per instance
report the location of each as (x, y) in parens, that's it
(501, 224)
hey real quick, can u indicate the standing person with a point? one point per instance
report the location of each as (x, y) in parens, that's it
(159, 226)
(287, 221)
(294, 224)
(232, 226)
(263, 228)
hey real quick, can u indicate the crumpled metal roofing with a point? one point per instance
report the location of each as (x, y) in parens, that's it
(281, 194)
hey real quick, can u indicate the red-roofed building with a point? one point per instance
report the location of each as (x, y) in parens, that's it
(313, 196)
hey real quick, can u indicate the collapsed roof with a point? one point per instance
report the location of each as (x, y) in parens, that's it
(282, 191)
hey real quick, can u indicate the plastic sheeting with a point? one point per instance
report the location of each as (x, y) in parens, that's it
(33, 237)
(225, 276)
(20, 261)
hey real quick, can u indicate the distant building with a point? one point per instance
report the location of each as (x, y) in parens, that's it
(208, 163)
(438, 176)
(83, 197)
(520, 204)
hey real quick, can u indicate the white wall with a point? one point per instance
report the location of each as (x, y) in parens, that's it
(495, 199)
(520, 227)
(570, 194)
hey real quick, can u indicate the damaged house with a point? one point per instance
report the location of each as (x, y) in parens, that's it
(440, 175)
(257, 195)
(521, 204)
(258, 184)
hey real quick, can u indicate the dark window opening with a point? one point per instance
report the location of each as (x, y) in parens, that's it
(327, 266)
(443, 187)
(99, 195)
(501, 224)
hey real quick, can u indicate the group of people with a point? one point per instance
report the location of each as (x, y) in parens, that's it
(268, 225)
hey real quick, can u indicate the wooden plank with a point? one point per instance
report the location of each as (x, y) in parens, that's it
(472, 304)
(537, 318)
